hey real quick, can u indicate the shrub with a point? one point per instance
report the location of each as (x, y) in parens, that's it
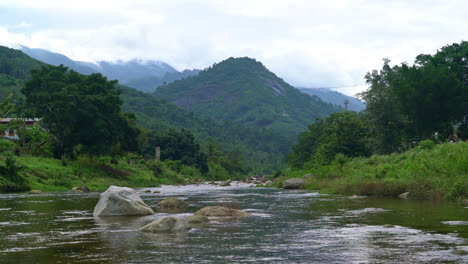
(458, 191)
(14, 187)
(426, 144)
(6, 145)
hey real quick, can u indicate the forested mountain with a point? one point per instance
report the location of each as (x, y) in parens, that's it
(336, 98)
(243, 90)
(262, 149)
(142, 75)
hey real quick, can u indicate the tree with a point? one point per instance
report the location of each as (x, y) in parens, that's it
(77, 109)
(344, 132)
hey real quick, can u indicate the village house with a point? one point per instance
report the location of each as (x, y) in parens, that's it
(11, 133)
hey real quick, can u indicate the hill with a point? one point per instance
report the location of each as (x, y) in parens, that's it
(336, 98)
(263, 149)
(140, 74)
(243, 90)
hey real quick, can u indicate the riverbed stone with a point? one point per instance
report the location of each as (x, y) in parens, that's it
(196, 220)
(225, 183)
(404, 195)
(459, 252)
(172, 203)
(221, 211)
(35, 191)
(295, 183)
(121, 201)
(166, 224)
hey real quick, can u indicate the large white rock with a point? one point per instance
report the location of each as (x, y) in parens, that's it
(121, 201)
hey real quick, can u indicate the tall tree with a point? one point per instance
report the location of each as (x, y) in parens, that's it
(77, 109)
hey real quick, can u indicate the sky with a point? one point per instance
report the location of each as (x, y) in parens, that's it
(308, 43)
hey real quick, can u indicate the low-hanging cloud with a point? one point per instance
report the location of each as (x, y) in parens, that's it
(307, 43)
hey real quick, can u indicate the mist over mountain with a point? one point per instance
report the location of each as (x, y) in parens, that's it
(140, 74)
(335, 98)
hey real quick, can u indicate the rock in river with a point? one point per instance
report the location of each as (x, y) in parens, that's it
(172, 203)
(121, 201)
(196, 220)
(221, 211)
(166, 224)
(295, 183)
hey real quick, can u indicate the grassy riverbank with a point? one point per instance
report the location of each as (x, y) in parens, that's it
(48, 174)
(428, 172)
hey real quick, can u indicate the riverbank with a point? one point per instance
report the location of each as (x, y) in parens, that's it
(97, 173)
(427, 172)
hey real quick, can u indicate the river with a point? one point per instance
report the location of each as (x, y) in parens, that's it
(284, 227)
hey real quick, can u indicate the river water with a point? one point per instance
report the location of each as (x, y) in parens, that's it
(284, 227)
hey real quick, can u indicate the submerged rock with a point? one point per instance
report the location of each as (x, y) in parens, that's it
(459, 252)
(34, 191)
(172, 203)
(121, 201)
(404, 195)
(166, 224)
(221, 211)
(196, 220)
(295, 183)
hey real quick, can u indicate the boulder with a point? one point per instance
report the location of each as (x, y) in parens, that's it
(172, 203)
(121, 201)
(166, 224)
(196, 220)
(308, 176)
(81, 189)
(295, 183)
(220, 211)
(225, 183)
(34, 191)
(146, 191)
(404, 195)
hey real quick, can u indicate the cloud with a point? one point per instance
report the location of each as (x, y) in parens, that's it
(307, 43)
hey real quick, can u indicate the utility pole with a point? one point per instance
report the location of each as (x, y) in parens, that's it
(158, 154)
(346, 102)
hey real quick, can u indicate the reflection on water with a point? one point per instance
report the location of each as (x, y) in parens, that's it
(284, 227)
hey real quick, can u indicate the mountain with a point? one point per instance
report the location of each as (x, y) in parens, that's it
(263, 150)
(140, 74)
(243, 90)
(335, 98)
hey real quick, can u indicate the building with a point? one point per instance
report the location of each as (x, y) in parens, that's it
(11, 133)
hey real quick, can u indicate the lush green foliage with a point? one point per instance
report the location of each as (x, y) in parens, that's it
(243, 90)
(344, 133)
(176, 145)
(262, 149)
(413, 102)
(437, 172)
(78, 109)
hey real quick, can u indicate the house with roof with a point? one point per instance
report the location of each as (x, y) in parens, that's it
(11, 133)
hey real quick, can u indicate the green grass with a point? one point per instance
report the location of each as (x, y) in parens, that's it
(48, 174)
(427, 173)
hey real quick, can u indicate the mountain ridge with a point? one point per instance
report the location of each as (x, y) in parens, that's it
(144, 75)
(244, 90)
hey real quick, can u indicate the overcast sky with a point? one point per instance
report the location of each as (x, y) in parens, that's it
(307, 43)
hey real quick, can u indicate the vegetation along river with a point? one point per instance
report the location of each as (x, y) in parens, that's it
(284, 227)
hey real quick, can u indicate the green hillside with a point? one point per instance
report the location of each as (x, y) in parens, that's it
(263, 149)
(243, 90)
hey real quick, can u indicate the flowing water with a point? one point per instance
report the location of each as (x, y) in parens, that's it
(284, 227)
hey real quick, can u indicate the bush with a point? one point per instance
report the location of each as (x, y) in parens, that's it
(14, 187)
(10, 170)
(458, 191)
(426, 144)
(6, 145)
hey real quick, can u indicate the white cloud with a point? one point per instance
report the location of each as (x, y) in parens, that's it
(308, 43)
